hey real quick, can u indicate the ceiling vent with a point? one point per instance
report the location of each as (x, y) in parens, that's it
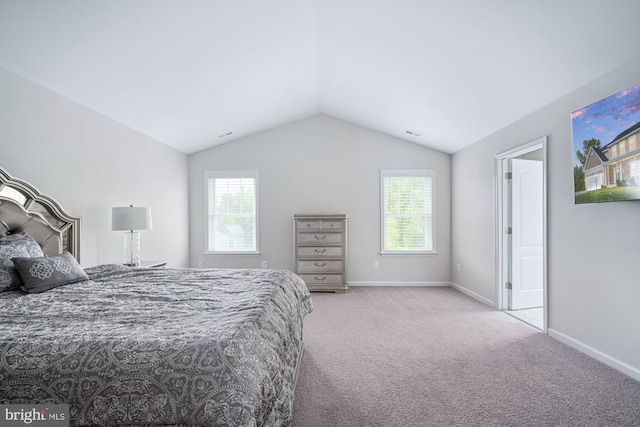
(413, 133)
(225, 135)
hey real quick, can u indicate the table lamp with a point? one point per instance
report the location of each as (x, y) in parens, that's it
(131, 219)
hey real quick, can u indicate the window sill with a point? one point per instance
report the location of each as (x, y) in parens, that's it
(411, 253)
(232, 253)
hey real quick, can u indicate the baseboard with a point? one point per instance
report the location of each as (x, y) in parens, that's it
(361, 283)
(596, 354)
(485, 301)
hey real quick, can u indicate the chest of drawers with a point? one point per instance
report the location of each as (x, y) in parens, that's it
(320, 248)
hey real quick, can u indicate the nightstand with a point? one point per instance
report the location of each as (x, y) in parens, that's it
(153, 264)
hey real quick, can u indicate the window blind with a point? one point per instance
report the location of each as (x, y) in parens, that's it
(232, 212)
(407, 211)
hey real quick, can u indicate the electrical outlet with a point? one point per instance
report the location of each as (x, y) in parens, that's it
(264, 264)
(376, 264)
(199, 264)
(458, 267)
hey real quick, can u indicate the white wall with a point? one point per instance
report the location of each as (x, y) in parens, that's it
(594, 286)
(90, 163)
(324, 165)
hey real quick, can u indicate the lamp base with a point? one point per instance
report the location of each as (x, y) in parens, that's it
(132, 249)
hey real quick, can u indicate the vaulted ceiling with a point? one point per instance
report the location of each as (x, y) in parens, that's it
(196, 73)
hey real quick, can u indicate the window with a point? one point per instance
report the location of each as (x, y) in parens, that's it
(232, 212)
(632, 143)
(623, 147)
(614, 151)
(407, 211)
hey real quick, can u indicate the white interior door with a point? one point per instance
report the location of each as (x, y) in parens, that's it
(527, 234)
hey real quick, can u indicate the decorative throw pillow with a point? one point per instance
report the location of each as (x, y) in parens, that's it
(11, 246)
(41, 274)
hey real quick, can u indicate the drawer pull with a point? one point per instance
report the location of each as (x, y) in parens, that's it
(320, 265)
(320, 238)
(320, 251)
(320, 279)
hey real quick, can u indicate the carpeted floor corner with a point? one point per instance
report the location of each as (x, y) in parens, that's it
(435, 357)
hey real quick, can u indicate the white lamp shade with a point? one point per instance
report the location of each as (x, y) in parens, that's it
(130, 218)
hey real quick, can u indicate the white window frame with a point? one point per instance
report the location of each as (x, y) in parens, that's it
(430, 173)
(231, 174)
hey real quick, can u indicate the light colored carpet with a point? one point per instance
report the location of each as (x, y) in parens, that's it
(435, 357)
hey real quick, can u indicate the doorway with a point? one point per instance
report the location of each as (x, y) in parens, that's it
(521, 232)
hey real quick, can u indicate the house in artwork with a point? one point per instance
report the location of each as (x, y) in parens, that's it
(618, 161)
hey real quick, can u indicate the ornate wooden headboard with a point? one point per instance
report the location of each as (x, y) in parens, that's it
(24, 208)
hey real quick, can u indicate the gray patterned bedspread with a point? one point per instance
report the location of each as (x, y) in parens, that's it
(136, 346)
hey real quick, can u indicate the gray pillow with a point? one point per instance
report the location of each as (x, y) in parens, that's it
(41, 274)
(11, 246)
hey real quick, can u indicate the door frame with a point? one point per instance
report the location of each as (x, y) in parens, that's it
(501, 220)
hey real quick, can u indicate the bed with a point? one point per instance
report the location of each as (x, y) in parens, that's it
(137, 346)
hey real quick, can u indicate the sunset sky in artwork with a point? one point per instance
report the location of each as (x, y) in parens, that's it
(605, 119)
